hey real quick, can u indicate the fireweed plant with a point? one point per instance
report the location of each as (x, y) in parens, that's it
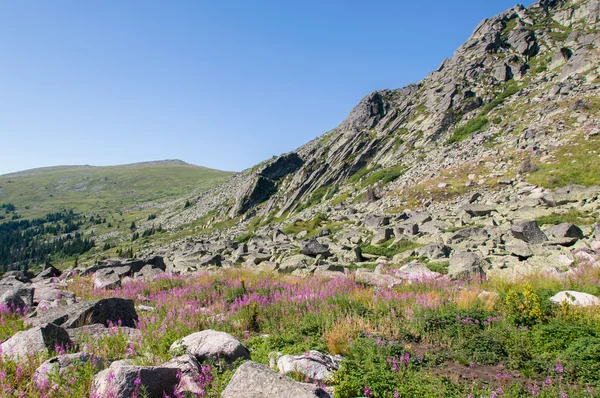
(427, 338)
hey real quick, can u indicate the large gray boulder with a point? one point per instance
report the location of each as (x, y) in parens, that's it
(434, 251)
(468, 234)
(61, 364)
(465, 265)
(313, 364)
(104, 311)
(47, 273)
(43, 338)
(118, 381)
(109, 278)
(415, 270)
(565, 231)
(254, 380)
(529, 232)
(12, 301)
(293, 263)
(211, 345)
(577, 299)
(313, 248)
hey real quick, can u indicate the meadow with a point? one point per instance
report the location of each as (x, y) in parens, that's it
(429, 338)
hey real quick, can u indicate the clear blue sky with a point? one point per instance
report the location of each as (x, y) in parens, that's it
(223, 84)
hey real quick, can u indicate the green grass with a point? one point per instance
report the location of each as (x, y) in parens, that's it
(88, 189)
(473, 126)
(389, 249)
(573, 216)
(577, 162)
(385, 176)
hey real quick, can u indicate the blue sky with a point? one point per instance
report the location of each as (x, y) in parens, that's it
(223, 84)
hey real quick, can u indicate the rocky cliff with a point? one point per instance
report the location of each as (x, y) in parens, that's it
(493, 122)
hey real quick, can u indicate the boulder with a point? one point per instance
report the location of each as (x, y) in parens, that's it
(113, 310)
(565, 230)
(119, 381)
(518, 248)
(62, 363)
(381, 236)
(415, 270)
(314, 248)
(25, 292)
(108, 278)
(470, 233)
(47, 273)
(191, 373)
(254, 380)
(478, 210)
(293, 263)
(529, 232)
(464, 265)
(149, 272)
(12, 301)
(211, 345)
(43, 338)
(576, 299)
(47, 291)
(434, 251)
(313, 364)
(375, 222)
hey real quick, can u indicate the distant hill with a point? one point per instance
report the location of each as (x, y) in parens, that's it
(89, 189)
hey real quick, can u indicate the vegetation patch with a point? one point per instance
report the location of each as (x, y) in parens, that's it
(473, 126)
(390, 249)
(572, 216)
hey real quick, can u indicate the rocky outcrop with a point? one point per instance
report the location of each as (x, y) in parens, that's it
(253, 380)
(104, 311)
(119, 381)
(39, 339)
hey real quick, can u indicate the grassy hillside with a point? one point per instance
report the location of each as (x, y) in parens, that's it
(89, 189)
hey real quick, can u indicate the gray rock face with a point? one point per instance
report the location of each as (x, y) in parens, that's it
(565, 230)
(529, 232)
(190, 373)
(434, 251)
(108, 278)
(415, 270)
(253, 380)
(313, 364)
(47, 273)
(11, 300)
(87, 313)
(375, 222)
(60, 364)
(470, 233)
(284, 165)
(478, 210)
(257, 189)
(119, 381)
(293, 263)
(577, 299)
(381, 236)
(313, 248)
(213, 345)
(367, 113)
(37, 339)
(464, 265)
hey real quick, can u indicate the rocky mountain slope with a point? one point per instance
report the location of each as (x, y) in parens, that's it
(513, 114)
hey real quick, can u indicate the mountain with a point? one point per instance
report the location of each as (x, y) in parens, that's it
(97, 189)
(516, 105)
(514, 112)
